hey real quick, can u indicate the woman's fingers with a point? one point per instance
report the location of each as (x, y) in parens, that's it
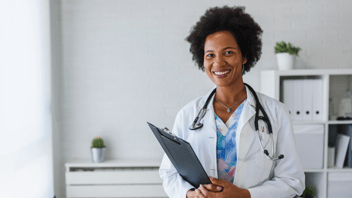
(203, 190)
(199, 194)
(212, 187)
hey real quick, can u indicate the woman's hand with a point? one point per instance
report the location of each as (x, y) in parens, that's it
(229, 190)
(196, 193)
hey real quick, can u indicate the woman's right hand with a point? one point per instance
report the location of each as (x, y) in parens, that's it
(195, 193)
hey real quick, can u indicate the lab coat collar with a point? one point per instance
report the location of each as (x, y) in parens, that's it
(247, 113)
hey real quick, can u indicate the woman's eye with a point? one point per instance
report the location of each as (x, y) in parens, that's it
(210, 55)
(229, 52)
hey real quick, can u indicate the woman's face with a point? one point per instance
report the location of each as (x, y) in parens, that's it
(223, 59)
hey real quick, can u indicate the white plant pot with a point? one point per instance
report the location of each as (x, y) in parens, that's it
(98, 154)
(285, 61)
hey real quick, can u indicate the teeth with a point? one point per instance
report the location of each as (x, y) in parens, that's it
(221, 73)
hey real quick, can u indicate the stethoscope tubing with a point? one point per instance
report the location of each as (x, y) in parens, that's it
(197, 125)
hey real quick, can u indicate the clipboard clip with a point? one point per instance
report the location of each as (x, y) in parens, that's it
(167, 130)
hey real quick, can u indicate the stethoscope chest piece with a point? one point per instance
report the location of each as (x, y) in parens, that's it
(196, 123)
(195, 127)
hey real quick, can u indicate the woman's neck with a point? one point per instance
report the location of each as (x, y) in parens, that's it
(230, 94)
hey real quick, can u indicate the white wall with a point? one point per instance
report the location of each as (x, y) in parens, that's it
(126, 62)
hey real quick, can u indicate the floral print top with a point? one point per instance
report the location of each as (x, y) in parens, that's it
(226, 144)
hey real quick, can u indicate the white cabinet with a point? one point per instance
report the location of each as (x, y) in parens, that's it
(113, 178)
(334, 84)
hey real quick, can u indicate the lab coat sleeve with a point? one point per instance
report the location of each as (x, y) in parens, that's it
(289, 178)
(174, 185)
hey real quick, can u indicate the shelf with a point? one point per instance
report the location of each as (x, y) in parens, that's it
(323, 122)
(340, 122)
(328, 170)
(335, 82)
(334, 169)
(309, 72)
(308, 122)
(313, 170)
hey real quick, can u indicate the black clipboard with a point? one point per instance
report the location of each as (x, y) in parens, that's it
(182, 157)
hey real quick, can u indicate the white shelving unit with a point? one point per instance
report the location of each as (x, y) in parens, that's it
(113, 178)
(335, 83)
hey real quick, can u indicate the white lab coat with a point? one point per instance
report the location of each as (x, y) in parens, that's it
(254, 172)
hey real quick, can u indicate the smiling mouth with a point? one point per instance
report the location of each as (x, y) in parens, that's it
(221, 73)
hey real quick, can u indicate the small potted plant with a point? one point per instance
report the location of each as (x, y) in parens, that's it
(309, 192)
(285, 54)
(98, 150)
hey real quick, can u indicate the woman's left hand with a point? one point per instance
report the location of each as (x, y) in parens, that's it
(229, 190)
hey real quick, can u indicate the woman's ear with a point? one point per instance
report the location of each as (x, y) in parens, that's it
(244, 61)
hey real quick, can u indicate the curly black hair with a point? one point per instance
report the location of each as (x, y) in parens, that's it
(242, 26)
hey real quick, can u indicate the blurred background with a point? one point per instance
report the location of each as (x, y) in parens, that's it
(71, 70)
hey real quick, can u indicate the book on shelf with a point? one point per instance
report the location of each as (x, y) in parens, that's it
(303, 98)
(348, 131)
(341, 149)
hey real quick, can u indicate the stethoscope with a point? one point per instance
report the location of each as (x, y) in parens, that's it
(197, 125)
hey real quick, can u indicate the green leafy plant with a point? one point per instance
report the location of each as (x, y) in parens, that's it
(97, 142)
(309, 192)
(284, 47)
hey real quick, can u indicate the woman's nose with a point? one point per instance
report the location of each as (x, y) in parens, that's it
(219, 61)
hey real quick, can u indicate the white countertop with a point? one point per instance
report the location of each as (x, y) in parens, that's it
(114, 163)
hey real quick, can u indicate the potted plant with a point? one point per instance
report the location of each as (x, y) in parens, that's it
(309, 192)
(98, 150)
(285, 55)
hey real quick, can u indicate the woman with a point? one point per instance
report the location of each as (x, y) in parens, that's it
(226, 43)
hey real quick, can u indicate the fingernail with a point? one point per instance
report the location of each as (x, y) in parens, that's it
(219, 188)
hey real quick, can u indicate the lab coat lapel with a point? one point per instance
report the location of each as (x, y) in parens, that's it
(209, 118)
(247, 113)
(209, 131)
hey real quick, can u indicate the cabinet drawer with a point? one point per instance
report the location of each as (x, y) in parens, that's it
(116, 191)
(114, 177)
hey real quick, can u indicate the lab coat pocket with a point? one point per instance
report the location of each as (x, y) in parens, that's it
(264, 166)
(260, 159)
